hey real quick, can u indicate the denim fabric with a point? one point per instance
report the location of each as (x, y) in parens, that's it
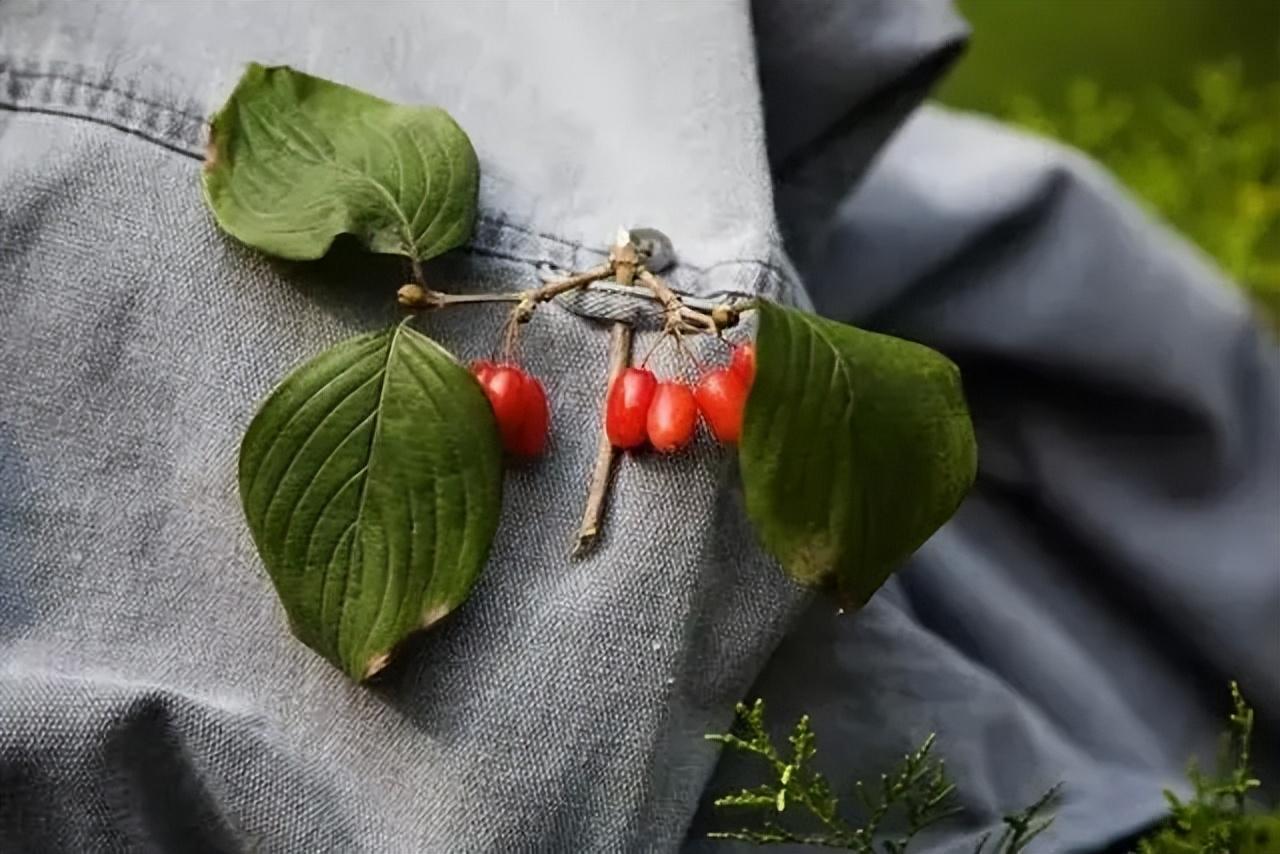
(151, 698)
(1118, 561)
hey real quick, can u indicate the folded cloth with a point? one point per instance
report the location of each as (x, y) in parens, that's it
(1118, 562)
(151, 697)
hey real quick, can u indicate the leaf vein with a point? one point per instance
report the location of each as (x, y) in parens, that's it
(277, 487)
(293, 416)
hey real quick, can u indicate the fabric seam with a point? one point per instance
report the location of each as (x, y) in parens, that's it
(773, 278)
(104, 88)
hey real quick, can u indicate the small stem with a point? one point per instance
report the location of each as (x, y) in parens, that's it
(699, 320)
(619, 358)
(418, 277)
(679, 316)
(510, 340)
(426, 298)
(652, 347)
(677, 312)
(670, 302)
(554, 289)
(684, 348)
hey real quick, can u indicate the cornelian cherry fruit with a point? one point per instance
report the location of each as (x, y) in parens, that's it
(743, 363)
(722, 396)
(483, 369)
(627, 407)
(532, 438)
(673, 416)
(519, 406)
(505, 390)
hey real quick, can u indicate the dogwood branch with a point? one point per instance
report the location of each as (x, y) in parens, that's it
(417, 296)
(679, 317)
(619, 358)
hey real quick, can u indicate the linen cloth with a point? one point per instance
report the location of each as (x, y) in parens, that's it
(1077, 621)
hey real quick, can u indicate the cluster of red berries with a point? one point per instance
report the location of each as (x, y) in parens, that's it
(519, 405)
(665, 414)
(639, 409)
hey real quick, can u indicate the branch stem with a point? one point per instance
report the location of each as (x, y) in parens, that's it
(619, 358)
(420, 297)
(678, 314)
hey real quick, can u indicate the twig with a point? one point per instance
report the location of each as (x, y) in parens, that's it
(653, 348)
(678, 314)
(684, 349)
(619, 358)
(416, 296)
(660, 289)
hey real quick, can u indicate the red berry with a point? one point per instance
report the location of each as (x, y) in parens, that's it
(519, 406)
(532, 438)
(673, 416)
(483, 369)
(627, 407)
(743, 363)
(721, 396)
(505, 390)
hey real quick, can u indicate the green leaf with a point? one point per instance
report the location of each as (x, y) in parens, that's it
(760, 797)
(295, 160)
(855, 448)
(371, 479)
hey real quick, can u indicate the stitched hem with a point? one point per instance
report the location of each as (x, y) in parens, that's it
(64, 89)
(74, 91)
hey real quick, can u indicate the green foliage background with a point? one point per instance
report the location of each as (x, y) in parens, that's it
(1179, 98)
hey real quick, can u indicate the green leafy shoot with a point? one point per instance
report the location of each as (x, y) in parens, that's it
(917, 790)
(797, 786)
(1022, 827)
(1216, 819)
(914, 795)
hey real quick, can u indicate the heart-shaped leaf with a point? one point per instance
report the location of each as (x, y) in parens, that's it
(371, 479)
(295, 160)
(855, 448)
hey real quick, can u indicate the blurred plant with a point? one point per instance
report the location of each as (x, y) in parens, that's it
(1214, 820)
(917, 790)
(1209, 163)
(1022, 827)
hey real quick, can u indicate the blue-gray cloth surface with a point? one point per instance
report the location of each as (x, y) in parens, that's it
(1077, 622)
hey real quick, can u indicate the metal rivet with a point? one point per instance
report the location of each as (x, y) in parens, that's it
(655, 248)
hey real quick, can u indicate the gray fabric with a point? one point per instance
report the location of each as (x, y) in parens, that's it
(1075, 622)
(1119, 560)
